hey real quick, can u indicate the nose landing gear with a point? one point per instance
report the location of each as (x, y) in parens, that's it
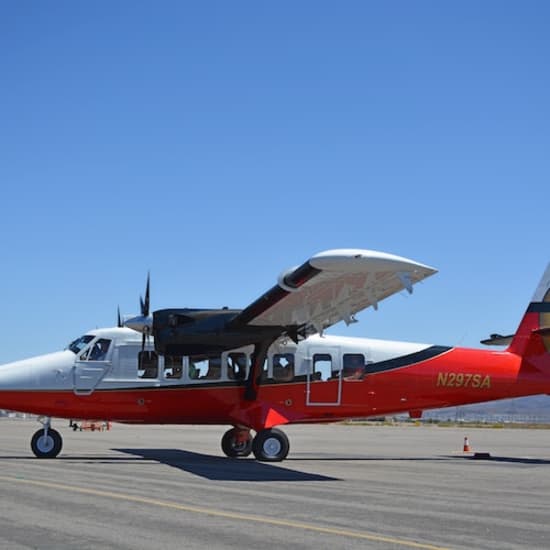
(46, 442)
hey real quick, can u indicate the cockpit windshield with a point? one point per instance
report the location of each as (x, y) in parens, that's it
(80, 343)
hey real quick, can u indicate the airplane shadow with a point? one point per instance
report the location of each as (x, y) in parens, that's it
(440, 458)
(365, 459)
(506, 459)
(218, 468)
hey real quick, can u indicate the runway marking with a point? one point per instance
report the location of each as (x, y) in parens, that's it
(223, 514)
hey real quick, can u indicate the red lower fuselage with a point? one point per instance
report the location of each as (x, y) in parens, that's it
(453, 377)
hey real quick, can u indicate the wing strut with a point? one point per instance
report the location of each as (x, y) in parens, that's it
(258, 360)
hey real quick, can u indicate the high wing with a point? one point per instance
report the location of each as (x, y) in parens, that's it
(330, 287)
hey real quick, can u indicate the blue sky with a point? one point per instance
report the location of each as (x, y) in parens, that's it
(218, 143)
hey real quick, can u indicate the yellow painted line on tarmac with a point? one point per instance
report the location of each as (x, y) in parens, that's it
(222, 514)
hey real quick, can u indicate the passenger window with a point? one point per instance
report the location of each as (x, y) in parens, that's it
(198, 367)
(322, 367)
(237, 364)
(99, 350)
(283, 367)
(214, 371)
(148, 362)
(173, 366)
(205, 368)
(354, 366)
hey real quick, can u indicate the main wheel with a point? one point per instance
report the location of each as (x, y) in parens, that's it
(46, 446)
(270, 445)
(234, 448)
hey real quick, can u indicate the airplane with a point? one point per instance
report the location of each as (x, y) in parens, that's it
(272, 364)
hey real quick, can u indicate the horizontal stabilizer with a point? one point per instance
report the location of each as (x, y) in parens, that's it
(498, 340)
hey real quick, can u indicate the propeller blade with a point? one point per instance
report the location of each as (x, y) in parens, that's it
(144, 322)
(141, 355)
(118, 318)
(144, 304)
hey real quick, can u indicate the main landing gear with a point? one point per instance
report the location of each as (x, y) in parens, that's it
(237, 443)
(270, 445)
(46, 442)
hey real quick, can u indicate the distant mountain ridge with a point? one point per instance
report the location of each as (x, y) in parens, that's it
(521, 409)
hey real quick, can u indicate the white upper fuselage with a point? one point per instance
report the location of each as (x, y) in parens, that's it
(120, 368)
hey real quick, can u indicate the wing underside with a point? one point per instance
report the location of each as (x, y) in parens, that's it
(333, 286)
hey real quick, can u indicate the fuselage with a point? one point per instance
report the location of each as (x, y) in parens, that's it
(105, 375)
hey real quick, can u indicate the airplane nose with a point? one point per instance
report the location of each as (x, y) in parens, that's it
(41, 372)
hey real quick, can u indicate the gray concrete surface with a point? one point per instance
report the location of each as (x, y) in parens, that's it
(341, 487)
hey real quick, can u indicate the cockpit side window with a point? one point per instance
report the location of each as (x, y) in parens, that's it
(76, 346)
(99, 350)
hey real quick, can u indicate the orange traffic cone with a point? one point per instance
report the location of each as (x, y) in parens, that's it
(466, 448)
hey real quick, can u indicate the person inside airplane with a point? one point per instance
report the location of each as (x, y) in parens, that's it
(283, 367)
(236, 366)
(194, 370)
(148, 364)
(173, 366)
(214, 369)
(354, 366)
(99, 351)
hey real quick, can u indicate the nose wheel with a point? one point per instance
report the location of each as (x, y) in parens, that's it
(46, 442)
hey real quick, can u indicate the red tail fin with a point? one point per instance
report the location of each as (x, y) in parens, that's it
(533, 335)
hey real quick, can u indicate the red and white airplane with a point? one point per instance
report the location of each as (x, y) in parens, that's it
(270, 364)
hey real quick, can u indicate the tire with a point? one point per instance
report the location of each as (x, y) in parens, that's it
(270, 445)
(233, 449)
(48, 446)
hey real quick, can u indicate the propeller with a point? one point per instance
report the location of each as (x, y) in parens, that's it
(144, 305)
(119, 322)
(146, 331)
(144, 322)
(141, 323)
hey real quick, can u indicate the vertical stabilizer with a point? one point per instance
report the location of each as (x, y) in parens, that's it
(533, 334)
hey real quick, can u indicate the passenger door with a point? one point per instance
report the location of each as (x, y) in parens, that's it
(324, 377)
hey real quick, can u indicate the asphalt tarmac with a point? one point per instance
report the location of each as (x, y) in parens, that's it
(341, 487)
